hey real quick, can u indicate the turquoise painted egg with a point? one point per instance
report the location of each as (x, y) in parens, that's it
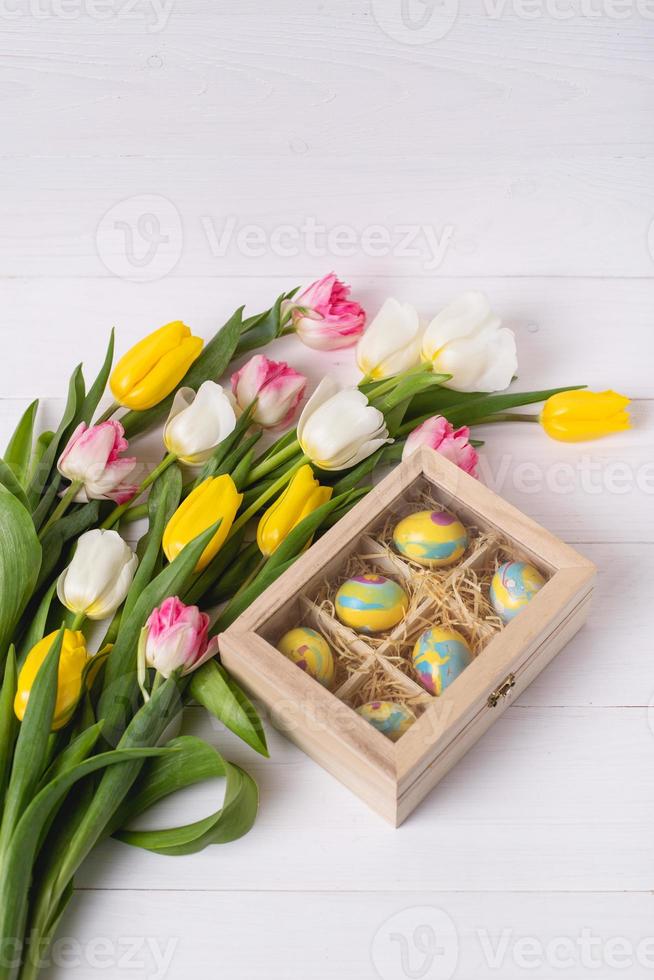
(371, 603)
(514, 584)
(387, 717)
(439, 656)
(431, 537)
(310, 651)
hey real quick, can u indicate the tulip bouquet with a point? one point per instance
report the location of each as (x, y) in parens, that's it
(103, 645)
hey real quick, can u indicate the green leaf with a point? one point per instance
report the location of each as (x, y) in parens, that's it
(227, 559)
(75, 752)
(41, 472)
(8, 721)
(195, 760)
(23, 846)
(459, 406)
(20, 559)
(18, 453)
(259, 330)
(211, 363)
(66, 528)
(119, 688)
(96, 390)
(10, 482)
(225, 449)
(225, 582)
(162, 502)
(215, 690)
(32, 742)
(36, 629)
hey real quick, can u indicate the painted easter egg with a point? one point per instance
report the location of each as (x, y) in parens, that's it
(389, 718)
(309, 651)
(514, 584)
(431, 537)
(371, 603)
(439, 656)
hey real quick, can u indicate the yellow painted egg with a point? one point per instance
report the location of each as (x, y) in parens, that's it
(387, 717)
(371, 603)
(514, 585)
(431, 537)
(310, 651)
(439, 656)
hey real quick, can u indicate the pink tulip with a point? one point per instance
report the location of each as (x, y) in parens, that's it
(277, 387)
(176, 637)
(323, 316)
(92, 457)
(438, 434)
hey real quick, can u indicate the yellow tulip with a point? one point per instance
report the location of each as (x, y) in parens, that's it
(216, 497)
(154, 367)
(72, 662)
(301, 497)
(572, 416)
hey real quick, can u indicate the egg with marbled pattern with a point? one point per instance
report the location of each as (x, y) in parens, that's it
(513, 586)
(371, 603)
(388, 717)
(439, 656)
(309, 651)
(431, 537)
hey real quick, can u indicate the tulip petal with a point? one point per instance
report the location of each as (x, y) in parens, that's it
(198, 423)
(392, 342)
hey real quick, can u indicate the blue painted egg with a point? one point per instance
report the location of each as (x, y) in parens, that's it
(371, 603)
(310, 651)
(513, 586)
(439, 656)
(387, 717)
(431, 537)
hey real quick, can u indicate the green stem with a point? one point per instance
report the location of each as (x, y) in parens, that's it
(78, 621)
(108, 412)
(61, 507)
(273, 462)
(251, 577)
(391, 383)
(507, 417)
(266, 496)
(121, 509)
(135, 513)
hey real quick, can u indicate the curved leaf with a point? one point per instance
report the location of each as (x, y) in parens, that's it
(9, 480)
(96, 390)
(193, 761)
(215, 690)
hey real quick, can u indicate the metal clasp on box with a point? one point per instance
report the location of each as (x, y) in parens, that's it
(501, 691)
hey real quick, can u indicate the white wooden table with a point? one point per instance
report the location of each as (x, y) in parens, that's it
(176, 161)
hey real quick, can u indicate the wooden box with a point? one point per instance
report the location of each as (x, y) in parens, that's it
(393, 777)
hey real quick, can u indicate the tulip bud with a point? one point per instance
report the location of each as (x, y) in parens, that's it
(467, 341)
(215, 498)
(198, 422)
(301, 497)
(438, 434)
(338, 428)
(175, 638)
(70, 678)
(573, 416)
(98, 578)
(155, 366)
(323, 316)
(92, 457)
(276, 386)
(391, 344)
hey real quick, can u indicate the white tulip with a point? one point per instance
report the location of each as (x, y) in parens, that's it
(391, 344)
(198, 422)
(467, 341)
(99, 575)
(338, 428)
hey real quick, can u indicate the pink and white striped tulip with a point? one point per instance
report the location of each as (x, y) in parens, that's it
(175, 637)
(323, 316)
(92, 457)
(277, 387)
(438, 434)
